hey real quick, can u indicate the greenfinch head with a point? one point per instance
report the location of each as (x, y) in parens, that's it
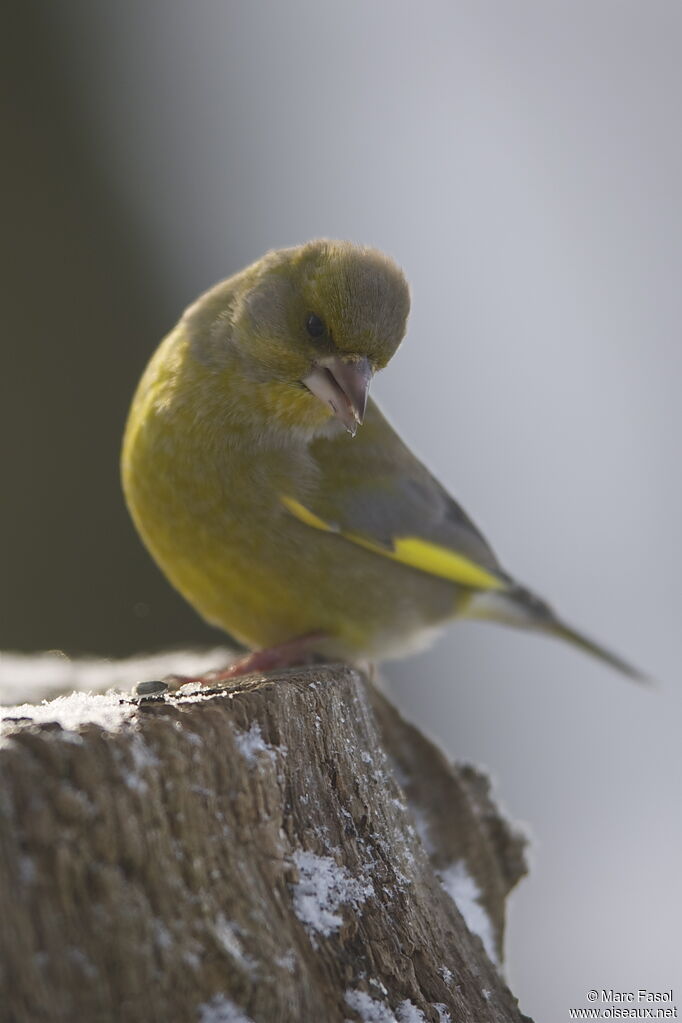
(311, 325)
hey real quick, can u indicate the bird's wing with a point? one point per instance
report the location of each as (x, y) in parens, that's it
(374, 492)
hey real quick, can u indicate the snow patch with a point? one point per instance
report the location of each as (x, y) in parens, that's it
(323, 887)
(142, 755)
(192, 959)
(226, 933)
(35, 677)
(422, 824)
(287, 961)
(465, 893)
(446, 974)
(78, 709)
(407, 1012)
(143, 761)
(369, 1009)
(162, 936)
(251, 743)
(222, 1009)
(191, 689)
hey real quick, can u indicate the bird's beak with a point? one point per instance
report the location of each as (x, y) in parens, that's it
(343, 385)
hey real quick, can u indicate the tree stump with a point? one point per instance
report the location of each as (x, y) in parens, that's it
(282, 849)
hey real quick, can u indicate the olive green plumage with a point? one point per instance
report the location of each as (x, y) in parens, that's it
(270, 511)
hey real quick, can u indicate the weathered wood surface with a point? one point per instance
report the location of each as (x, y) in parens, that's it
(268, 852)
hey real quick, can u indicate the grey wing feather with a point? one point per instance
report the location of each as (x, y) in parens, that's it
(374, 485)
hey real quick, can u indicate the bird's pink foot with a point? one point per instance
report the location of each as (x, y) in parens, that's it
(285, 655)
(291, 654)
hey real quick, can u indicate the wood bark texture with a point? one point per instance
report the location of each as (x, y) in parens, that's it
(277, 850)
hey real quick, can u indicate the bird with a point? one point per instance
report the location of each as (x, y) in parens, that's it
(275, 495)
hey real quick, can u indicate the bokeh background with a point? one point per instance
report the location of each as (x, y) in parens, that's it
(523, 162)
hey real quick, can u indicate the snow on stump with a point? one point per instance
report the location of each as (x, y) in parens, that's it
(284, 848)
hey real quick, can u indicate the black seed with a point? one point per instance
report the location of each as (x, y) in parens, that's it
(154, 688)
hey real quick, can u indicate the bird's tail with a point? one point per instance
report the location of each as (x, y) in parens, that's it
(519, 607)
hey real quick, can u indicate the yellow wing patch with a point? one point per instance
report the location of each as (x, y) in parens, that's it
(409, 550)
(301, 513)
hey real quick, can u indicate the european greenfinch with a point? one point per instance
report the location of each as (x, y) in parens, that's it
(278, 500)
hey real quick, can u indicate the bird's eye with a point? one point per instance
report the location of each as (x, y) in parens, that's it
(315, 326)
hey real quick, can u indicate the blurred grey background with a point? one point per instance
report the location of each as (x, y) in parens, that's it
(523, 162)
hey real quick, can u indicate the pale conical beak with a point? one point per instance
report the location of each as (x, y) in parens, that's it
(343, 386)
